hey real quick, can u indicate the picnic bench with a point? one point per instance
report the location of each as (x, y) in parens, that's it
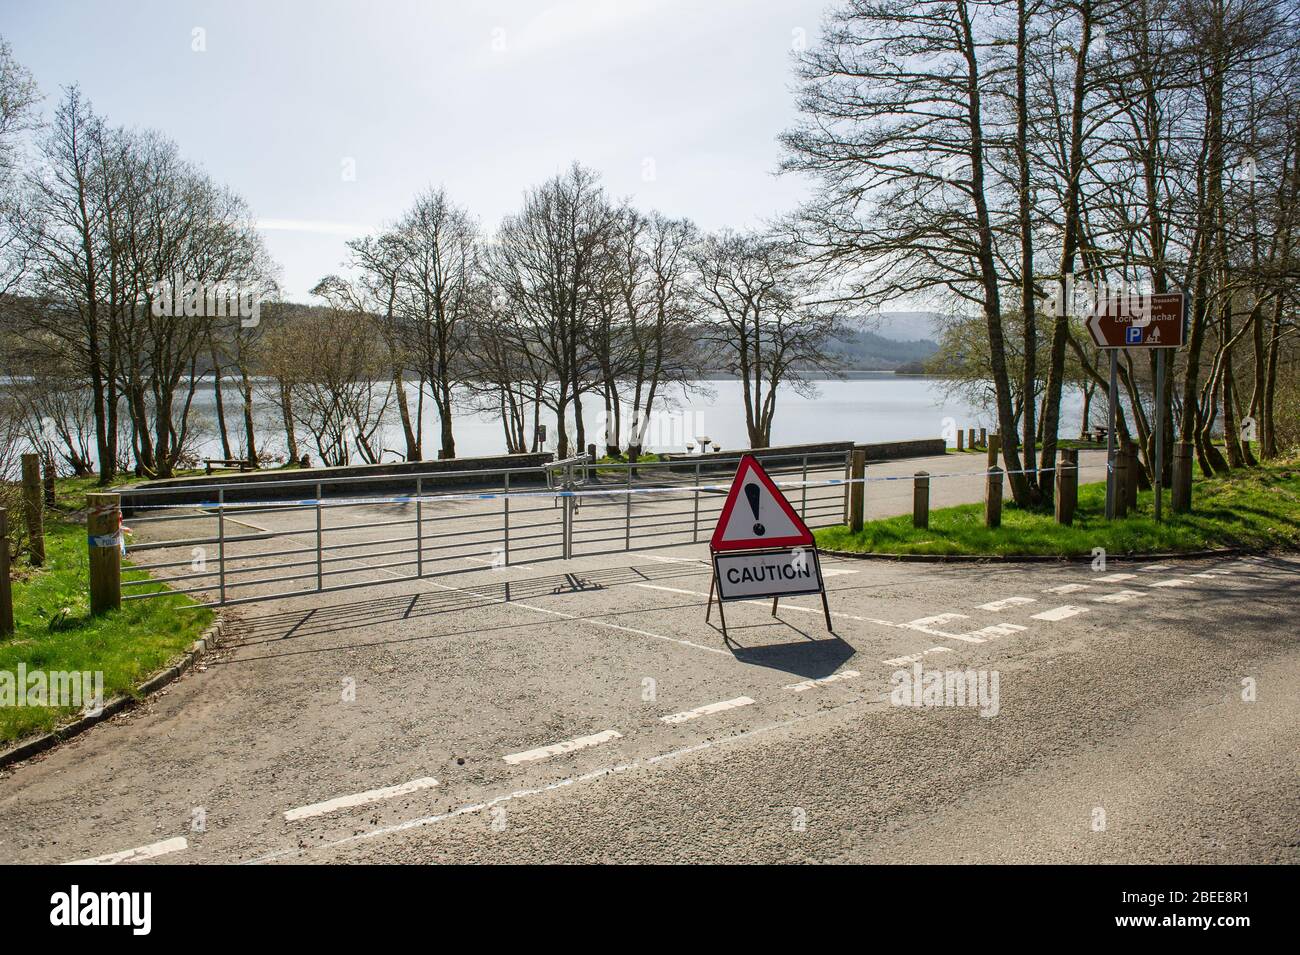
(210, 463)
(1097, 434)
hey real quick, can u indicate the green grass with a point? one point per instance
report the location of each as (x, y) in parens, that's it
(1254, 509)
(55, 632)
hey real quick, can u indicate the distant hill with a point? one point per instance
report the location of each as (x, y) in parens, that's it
(860, 350)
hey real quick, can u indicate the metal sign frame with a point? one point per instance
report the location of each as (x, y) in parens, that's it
(715, 584)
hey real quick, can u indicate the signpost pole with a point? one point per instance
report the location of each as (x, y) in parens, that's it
(1111, 420)
(1158, 471)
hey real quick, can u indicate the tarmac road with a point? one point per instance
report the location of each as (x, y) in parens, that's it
(584, 711)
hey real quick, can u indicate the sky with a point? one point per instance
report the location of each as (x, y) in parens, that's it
(329, 117)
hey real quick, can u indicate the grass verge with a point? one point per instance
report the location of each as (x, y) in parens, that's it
(1253, 509)
(55, 632)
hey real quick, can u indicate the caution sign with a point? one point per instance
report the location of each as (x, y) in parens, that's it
(781, 573)
(761, 547)
(756, 514)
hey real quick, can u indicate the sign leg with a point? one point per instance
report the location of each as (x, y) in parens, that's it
(774, 601)
(1112, 420)
(708, 612)
(826, 608)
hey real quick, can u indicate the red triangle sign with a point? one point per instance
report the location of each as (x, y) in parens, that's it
(756, 514)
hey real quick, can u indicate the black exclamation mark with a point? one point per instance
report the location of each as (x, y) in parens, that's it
(751, 492)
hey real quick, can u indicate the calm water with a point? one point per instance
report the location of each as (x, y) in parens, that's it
(869, 407)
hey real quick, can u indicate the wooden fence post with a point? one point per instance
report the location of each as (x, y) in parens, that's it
(921, 499)
(6, 589)
(591, 452)
(857, 490)
(104, 538)
(984, 437)
(970, 438)
(961, 437)
(50, 476)
(1067, 485)
(994, 449)
(993, 498)
(1181, 492)
(34, 508)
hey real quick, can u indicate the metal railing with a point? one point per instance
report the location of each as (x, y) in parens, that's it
(239, 547)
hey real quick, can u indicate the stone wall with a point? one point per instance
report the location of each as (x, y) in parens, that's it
(297, 483)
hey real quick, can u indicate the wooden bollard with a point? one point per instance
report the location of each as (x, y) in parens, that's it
(1120, 492)
(50, 476)
(104, 539)
(994, 448)
(970, 438)
(1181, 492)
(993, 498)
(1067, 486)
(6, 588)
(34, 508)
(960, 437)
(921, 499)
(984, 437)
(591, 452)
(857, 490)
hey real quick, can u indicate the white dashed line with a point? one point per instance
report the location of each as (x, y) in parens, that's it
(556, 749)
(137, 854)
(1154, 567)
(913, 657)
(1172, 582)
(1066, 589)
(836, 572)
(358, 799)
(998, 630)
(1005, 603)
(929, 625)
(707, 710)
(1205, 574)
(1060, 613)
(1114, 578)
(1118, 597)
(822, 681)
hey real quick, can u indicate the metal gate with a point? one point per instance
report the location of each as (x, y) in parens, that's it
(243, 545)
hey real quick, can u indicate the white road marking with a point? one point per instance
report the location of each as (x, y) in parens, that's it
(913, 657)
(137, 854)
(1205, 574)
(570, 781)
(1153, 567)
(784, 606)
(671, 590)
(1118, 597)
(358, 799)
(836, 572)
(1066, 589)
(1114, 578)
(1172, 582)
(929, 624)
(998, 630)
(1060, 613)
(556, 749)
(707, 710)
(822, 681)
(1005, 603)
